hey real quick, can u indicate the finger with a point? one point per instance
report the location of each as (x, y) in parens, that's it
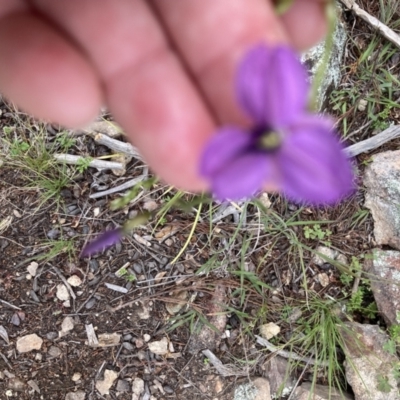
(305, 23)
(212, 36)
(148, 90)
(43, 73)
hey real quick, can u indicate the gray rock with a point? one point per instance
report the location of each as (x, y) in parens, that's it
(257, 389)
(318, 392)
(277, 370)
(90, 304)
(53, 234)
(123, 386)
(385, 285)
(369, 368)
(54, 352)
(382, 182)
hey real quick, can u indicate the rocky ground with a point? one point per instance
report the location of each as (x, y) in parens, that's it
(264, 298)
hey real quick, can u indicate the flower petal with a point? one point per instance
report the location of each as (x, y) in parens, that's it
(313, 166)
(224, 146)
(104, 240)
(272, 85)
(241, 178)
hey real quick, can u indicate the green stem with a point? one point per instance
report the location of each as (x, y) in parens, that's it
(330, 12)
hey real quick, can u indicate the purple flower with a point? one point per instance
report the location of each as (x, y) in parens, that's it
(103, 241)
(287, 147)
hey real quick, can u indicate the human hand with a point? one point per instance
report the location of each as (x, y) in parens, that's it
(164, 68)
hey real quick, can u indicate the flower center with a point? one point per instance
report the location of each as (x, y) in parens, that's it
(269, 140)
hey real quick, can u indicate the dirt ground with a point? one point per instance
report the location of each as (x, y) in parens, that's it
(66, 362)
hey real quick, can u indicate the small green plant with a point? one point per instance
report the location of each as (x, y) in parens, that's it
(18, 148)
(64, 141)
(124, 273)
(54, 248)
(315, 232)
(83, 164)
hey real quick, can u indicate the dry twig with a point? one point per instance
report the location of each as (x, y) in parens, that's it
(373, 142)
(288, 354)
(122, 187)
(74, 160)
(383, 29)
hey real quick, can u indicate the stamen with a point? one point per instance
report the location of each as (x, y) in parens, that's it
(270, 140)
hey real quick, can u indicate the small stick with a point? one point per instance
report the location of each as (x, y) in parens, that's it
(383, 29)
(288, 354)
(222, 369)
(10, 305)
(372, 143)
(74, 160)
(117, 145)
(122, 187)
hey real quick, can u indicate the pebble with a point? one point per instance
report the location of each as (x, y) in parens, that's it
(79, 395)
(62, 292)
(76, 377)
(93, 265)
(67, 324)
(74, 280)
(159, 347)
(137, 268)
(90, 303)
(146, 337)
(52, 335)
(128, 346)
(168, 389)
(16, 384)
(32, 268)
(54, 351)
(53, 234)
(138, 386)
(104, 385)
(123, 386)
(29, 343)
(127, 337)
(15, 320)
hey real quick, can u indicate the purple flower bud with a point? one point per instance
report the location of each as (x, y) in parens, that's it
(103, 241)
(288, 147)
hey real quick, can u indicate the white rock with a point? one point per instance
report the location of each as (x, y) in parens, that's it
(32, 268)
(76, 376)
(74, 281)
(109, 339)
(29, 343)
(146, 337)
(109, 378)
(138, 386)
(362, 105)
(159, 347)
(67, 325)
(325, 251)
(62, 292)
(269, 330)
(79, 395)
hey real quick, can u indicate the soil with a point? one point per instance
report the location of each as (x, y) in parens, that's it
(66, 362)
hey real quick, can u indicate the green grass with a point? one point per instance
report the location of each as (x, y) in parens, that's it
(32, 154)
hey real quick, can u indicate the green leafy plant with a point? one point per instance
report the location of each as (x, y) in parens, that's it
(83, 164)
(315, 232)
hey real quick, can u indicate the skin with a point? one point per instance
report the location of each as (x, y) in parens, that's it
(164, 68)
